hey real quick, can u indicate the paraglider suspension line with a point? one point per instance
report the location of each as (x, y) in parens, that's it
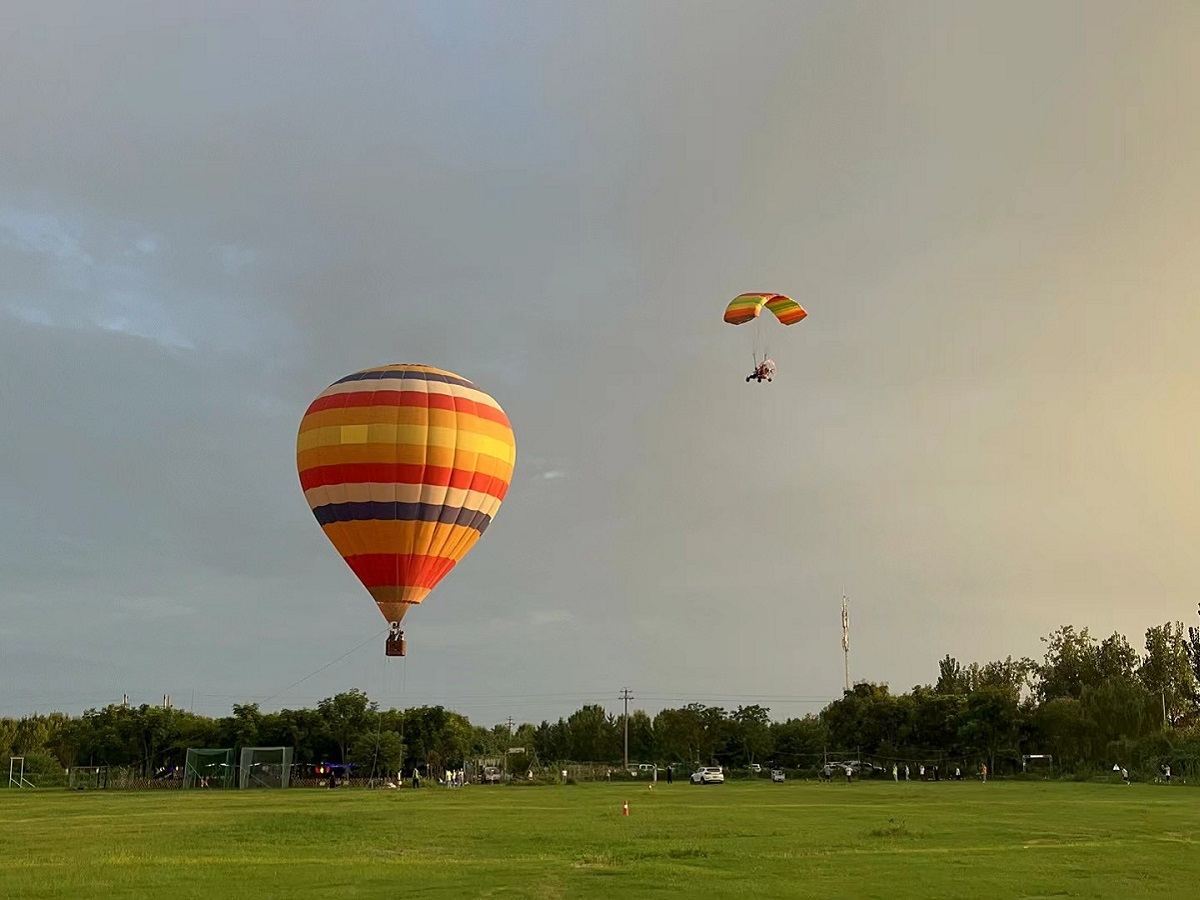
(760, 351)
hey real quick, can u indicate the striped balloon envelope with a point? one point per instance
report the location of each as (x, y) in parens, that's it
(404, 467)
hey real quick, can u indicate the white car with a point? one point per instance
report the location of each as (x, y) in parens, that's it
(756, 768)
(708, 775)
(777, 776)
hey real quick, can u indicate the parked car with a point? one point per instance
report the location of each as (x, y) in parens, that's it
(642, 769)
(755, 769)
(777, 776)
(491, 775)
(708, 775)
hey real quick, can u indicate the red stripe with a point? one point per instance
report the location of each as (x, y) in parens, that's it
(399, 569)
(408, 398)
(400, 473)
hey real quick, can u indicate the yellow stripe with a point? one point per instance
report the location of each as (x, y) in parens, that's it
(390, 600)
(421, 538)
(405, 454)
(405, 415)
(417, 435)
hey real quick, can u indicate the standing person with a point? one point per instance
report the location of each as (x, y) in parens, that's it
(957, 774)
(921, 771)
(416, 778)
(895, 772)
(670, 774)
(983, 772)
(849, 774)
(1124, 775)
(906, 771)
(1167, 774)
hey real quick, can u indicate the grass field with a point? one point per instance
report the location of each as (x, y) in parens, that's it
(741, 839)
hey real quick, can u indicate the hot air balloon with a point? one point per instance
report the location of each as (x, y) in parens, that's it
(747, 308)
(404, 467)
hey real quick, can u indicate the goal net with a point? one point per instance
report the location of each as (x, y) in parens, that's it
(1038, 764)
(267, 767)
(208, 768)
(87, 778)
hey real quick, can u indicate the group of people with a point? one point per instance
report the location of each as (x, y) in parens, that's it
(924, 773)
(1163, 776)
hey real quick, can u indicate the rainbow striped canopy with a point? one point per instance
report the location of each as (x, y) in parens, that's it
(746, 307)
(404, 467)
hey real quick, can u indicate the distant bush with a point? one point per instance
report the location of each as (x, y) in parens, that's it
(43, 770)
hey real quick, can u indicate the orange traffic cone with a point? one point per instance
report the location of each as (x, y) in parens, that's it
(625, 808)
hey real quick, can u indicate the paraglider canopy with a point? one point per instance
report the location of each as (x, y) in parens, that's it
(747, 307)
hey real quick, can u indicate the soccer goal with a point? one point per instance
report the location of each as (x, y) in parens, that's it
(1038, 764)
(87, 778)
(204, 768)
(266, 767)
(16, 773)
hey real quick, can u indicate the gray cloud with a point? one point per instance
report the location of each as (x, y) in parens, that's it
(983, 429)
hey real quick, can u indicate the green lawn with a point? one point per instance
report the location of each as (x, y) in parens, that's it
(741, 839)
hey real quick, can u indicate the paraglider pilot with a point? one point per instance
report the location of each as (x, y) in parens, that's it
(765, 370)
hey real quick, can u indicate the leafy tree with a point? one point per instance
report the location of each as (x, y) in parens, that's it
(552, 742)
(934, 723)
(1167, 671)
(345, 716)
(799, 741)
(866, 718)
(1194, 648)
(989, 722)
(641, 736)
(1064, 730)
(593, 735)
(8, 736)
(951, 677)
(1119, 709)
(679, 734)
(377, 753)
(1075, 660)
(1008, 675)
(751, 733)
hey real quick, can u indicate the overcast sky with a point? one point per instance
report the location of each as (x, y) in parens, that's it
(987, 426)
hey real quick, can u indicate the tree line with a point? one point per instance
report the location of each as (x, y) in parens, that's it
(1089, 702)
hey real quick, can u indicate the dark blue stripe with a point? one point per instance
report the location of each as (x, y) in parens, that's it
(402, 512)
(379, 374)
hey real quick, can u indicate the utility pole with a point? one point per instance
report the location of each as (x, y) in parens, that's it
(626, 695)
(510, 726)
(846, 638)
